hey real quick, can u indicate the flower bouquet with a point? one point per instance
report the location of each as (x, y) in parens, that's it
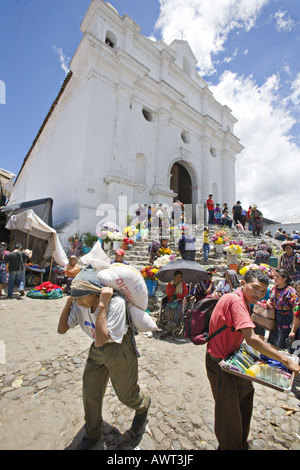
(103, 236)
(165, 251)
(163, 260)
(263, 267)
(116, 236)
(149, 272)
(233, 249)
(130, 231)
(126, 243)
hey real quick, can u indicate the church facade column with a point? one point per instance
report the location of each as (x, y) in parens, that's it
(228, 178)
(206, 183)
(122, 126)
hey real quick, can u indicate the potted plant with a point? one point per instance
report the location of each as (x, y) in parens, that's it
(89, 241)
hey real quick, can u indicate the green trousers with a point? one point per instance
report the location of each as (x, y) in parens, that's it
(117, 362)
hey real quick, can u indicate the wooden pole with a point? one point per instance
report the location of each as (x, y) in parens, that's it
(50, 272)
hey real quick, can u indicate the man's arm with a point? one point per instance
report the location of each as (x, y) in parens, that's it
(265, 348)
(63, 320)
(101, 332)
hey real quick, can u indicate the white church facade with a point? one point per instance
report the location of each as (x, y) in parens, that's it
(133, 123)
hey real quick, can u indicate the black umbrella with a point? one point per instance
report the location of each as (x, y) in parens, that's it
(191, 271)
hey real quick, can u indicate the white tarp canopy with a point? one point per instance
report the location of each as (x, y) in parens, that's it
(28, 222)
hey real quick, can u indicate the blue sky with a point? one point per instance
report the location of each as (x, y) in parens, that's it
(248, 52)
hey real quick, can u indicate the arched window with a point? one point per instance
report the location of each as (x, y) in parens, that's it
(111, 40)
(140, 168)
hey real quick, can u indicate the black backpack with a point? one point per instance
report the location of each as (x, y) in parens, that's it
(197, 321)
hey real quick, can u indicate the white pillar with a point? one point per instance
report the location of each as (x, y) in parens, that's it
(122, 126)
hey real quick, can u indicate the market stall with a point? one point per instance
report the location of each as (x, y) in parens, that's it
(34, 234)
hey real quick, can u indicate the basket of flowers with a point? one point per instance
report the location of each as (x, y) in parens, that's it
(148, 274)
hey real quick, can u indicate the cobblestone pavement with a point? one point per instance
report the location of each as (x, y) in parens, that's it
(41, 398)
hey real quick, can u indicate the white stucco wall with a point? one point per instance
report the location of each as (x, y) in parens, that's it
(86, 156)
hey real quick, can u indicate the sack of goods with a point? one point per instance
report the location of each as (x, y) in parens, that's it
(126, 280)
(96, 258)
(141, 319)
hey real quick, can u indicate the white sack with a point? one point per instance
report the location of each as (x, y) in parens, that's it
(127, 281)
(141, 320)
(96, 257)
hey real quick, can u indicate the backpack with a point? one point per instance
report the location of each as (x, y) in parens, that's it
(197, 321)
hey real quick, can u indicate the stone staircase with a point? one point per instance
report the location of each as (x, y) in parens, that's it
(137, 255)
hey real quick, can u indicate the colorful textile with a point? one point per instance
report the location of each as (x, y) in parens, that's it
(46, 290)
(291, 264)
(283, 301)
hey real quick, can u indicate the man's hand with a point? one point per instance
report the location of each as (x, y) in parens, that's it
(291, 365)
(106, 295)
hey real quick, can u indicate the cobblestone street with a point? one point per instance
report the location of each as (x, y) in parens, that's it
(41, 404)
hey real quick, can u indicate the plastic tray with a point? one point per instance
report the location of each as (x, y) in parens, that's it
(225, 368)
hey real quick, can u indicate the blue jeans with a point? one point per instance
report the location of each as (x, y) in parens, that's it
(211, 216)
(205, 251)
(15, 277)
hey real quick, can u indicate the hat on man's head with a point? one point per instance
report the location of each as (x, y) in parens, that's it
(86, 283)
(120, 252)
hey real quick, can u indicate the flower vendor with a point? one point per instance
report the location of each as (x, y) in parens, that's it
(177, 289)
(154, 249)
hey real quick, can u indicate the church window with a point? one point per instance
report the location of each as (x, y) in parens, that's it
(147, 115)
(185, 136)
(111, 40)
(213, 152)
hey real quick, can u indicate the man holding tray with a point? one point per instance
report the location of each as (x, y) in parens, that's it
(234, 395)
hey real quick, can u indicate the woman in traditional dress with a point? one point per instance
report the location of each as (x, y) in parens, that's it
(229, 283)
(262, 253)
(283, 299)
(290, 260)
(177, 289)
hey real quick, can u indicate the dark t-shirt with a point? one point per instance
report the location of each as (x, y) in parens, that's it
(16, 260)
(237, 210)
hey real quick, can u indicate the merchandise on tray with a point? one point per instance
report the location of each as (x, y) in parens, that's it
(247, 360)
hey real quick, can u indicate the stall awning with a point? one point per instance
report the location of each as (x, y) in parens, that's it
(28, 222)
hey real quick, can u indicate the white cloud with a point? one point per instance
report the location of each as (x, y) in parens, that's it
(295, 97)
(283, 21)
(63, 59)
(267, 169)
(206, 24)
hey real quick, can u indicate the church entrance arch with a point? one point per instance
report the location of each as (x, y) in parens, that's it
(183, 182)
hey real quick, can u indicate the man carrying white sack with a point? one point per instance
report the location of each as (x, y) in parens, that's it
(102, 315)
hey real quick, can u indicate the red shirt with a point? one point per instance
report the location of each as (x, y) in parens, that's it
(210, 204)
(233, 311)
(170, 291)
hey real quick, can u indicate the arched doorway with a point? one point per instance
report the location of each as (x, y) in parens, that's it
(181, 183)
